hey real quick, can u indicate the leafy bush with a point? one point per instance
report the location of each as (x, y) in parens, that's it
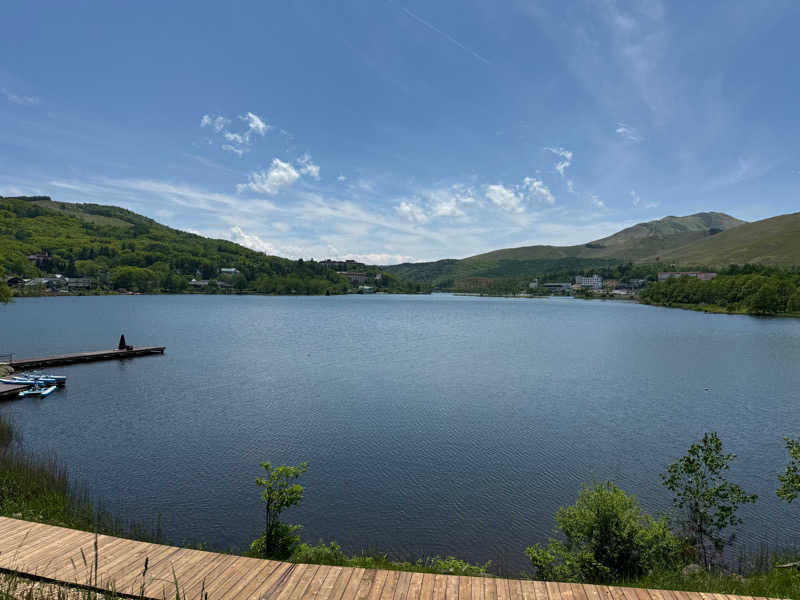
(606, 537)
(281, 544)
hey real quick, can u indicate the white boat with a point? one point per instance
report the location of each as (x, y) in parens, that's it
(41, 392)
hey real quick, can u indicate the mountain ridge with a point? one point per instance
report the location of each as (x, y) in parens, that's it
(691, 240)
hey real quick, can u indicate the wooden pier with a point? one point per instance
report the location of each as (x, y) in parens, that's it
(68, 557)
(9, 390)
(23, 364)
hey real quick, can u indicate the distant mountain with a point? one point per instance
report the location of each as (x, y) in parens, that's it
(774, 241)
(645, 241)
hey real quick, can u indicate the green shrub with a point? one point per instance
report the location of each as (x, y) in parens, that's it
(606, 537)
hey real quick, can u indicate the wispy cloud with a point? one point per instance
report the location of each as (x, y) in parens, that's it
(566, 157)
(236, 143)
(17, 99)
(430, 203)
(412, 211)
(444, 34)
(635, 199)
(628, 133)
(597, 203)
(279, 175)
(506, 198)
(307, 166)
(538, 190)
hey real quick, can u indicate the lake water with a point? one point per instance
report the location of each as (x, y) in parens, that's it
(432, 424)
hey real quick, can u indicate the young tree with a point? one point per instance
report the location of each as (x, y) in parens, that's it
(790, 480)
(706, 499)
(279, 494)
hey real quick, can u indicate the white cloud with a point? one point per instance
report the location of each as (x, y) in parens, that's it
(597, 203)
(307, 167)
(566, 161)
(636, 199)
(538, 190)
(279, 175)
(255, 124)
(24, 100)
(570, 186)
(627, 132)
(238, 143)
(341, 179)
(505, 198)
(234, 149)
(412, 212)
(217, 123)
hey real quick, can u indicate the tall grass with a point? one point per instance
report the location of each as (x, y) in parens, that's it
(37, 488)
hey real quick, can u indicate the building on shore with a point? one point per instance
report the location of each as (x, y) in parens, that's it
(593, 282)
(558, 287)
(533, 284)
(701, 275)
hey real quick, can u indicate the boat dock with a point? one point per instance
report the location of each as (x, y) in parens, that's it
(22, 364)
(8, 390)
(76, 558)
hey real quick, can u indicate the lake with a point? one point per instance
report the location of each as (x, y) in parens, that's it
(438, 424)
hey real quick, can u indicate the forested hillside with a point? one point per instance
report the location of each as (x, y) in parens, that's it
(121, 249)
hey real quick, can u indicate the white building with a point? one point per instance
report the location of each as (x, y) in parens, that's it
(594, 282)
(533, 284)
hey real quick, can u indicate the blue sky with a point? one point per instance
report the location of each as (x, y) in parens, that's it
(390, 130)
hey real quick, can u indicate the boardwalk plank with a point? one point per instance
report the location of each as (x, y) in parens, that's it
(490, 588)
(439, 587)
(403, 586)
(415, 586)
(451, 588)
(387, 592)
(428, 585)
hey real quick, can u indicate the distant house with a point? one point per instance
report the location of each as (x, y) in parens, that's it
(229, 271)
(558, 287)
(594, 282)
(632, 284)
(366, 289)
(199, 283)
(355, 277)
(39, 256)
(53, 283)
(339, 265)
(79, 283)
(610, 284)
(533, 284)
(701, 275)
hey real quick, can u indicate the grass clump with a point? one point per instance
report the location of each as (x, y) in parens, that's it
(37, 488)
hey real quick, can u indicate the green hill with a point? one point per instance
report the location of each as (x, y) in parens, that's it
(774, 242)
(118, 248)
(635, 244)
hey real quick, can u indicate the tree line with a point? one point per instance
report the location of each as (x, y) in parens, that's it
(769, 292)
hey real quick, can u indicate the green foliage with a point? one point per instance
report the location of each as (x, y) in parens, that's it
(606, 537)
(790, 479)
(706, 501)
(768, 293)
(123, 250)
(279, 494)
(332, 554)
(279, 545)
(5, 291)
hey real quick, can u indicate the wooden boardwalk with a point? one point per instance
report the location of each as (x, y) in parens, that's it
(22, 364)
(68, 556)
(9, 390)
